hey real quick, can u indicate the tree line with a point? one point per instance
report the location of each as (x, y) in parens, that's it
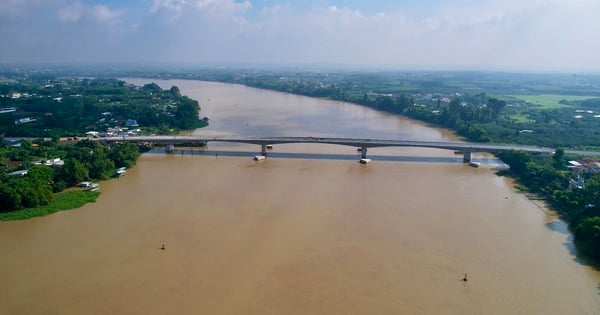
(70, 107)
(83, 161)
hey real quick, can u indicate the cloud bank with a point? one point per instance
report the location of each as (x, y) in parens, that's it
(461, 34)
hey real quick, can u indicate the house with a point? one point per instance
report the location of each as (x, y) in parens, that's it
(591, 166)
(8, 110)
(131, 123)
(18, 173)
(24, 120)
(12, 142)
(92, 134)
(577, 182)
(55, 163)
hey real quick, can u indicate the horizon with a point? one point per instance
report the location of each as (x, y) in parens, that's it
(176, 67)
(541, 36)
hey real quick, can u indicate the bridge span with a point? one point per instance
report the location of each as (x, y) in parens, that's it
(465, 147)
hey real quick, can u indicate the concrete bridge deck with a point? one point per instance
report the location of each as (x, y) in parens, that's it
(466, 147)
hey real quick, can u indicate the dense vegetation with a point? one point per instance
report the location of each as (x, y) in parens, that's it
(48, 107)
(62, 201)
(83, 161)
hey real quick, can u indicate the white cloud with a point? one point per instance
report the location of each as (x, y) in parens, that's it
(71, 13)
(103, 14)
(211, 8)
(465, 33)
(77, 12)
(23, 8)
(171, 5)
(223, 7)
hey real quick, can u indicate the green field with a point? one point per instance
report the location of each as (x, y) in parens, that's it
(521, 119)
(548, 101)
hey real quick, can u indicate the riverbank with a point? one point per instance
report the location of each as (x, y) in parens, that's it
(62, 201)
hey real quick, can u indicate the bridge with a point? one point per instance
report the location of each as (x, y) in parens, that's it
(464, 147)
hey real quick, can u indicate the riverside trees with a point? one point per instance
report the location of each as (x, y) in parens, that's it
(71, 106)
(85, 160)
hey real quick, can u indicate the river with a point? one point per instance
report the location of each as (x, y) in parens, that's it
(308, 231)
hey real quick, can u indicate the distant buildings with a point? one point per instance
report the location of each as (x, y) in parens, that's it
(8, 110)
(131, 123)
(582, 169)
(25, 120)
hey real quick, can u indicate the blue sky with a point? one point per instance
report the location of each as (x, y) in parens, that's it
(538, 35)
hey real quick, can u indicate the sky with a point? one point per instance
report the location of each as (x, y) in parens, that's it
(538, 35)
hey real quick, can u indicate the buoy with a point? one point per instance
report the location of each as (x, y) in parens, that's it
(163, 246)
(465, 278)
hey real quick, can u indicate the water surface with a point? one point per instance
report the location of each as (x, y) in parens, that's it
(297, 234)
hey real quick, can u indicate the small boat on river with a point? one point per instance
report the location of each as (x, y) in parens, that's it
(365, 161)
(121, 172)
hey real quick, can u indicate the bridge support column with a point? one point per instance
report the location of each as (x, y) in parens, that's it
(363, 152)
(169, 148)
(467, 157)
(263, 149)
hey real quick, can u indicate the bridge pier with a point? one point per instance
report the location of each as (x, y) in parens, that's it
(467, 157)
(363, 152)
(169, 148)
(263, 149)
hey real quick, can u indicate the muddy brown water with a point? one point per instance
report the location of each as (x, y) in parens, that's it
(297, 235)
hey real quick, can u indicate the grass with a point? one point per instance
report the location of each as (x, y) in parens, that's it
(63, 201)
(549, 101)
(520, 187)
(521, 118)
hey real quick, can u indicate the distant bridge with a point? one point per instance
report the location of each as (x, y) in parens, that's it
(464, 147)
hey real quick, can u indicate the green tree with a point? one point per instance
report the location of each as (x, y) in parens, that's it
(10, 199)
(517, 160)
(73, 172)
(558, 159)
(175, 92)
(124, 154)
(588, 235)
(39, 186)
(496, 106)
(186, 115)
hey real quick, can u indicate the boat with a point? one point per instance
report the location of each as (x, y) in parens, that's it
(474, 164)
(259, 157)
(365, 161)
(269, 146)
(89, 186)
(120, 172)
